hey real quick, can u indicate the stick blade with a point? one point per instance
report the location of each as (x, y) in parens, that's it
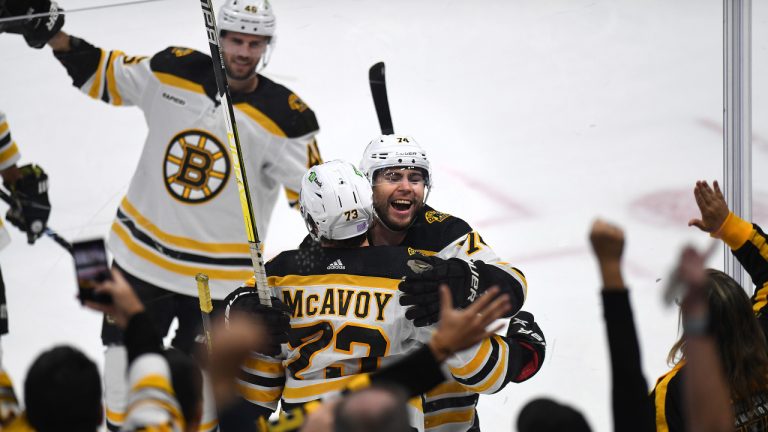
(377, 80)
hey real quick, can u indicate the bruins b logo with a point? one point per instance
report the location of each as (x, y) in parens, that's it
(196, 167)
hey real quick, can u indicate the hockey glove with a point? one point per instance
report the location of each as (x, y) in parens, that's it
(524, 330)
(276, 318)
(420, 289)
(37, 31)
(30, 207)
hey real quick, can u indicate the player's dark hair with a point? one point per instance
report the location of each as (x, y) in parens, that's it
(62, 392)
(349, 243)
(187, 382)
(740, 340)
(392, 418)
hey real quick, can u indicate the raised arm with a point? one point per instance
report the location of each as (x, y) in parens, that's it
(631, 411)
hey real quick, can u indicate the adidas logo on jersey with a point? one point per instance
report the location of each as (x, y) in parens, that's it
(336, 265)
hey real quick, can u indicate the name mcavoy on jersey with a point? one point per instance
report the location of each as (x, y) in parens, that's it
(338, 302)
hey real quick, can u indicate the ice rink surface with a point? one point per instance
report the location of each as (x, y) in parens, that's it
(538, 116)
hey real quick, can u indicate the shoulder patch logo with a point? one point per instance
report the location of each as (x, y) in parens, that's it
(196, 167)
(412, 251)
(435, 216)
(181, 52)
(296, 103)
(336, 265)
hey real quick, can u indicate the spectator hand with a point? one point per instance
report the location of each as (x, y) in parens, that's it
(712, 205)
(608, 245)
(420, 289)
(459, 329)
(30, 207)
(125, 303)
(276, 318)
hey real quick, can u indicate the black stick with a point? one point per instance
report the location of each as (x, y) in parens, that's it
(49, 232)
(377, 80)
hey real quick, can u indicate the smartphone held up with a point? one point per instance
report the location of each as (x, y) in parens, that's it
(92, 268)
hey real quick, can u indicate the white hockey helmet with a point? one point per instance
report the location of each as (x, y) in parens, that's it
(247, 16)
(336, 201)
(395, 150)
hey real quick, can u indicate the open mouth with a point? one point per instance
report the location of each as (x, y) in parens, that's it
(401, 205)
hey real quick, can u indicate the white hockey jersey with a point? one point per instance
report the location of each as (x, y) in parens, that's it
(451, 406)
(9, 155)
(347, 320)
(182, 213)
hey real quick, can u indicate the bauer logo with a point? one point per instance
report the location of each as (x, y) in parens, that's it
(206, 4)
(196, 167)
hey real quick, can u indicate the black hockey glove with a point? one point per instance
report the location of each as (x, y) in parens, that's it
(29, 202)
(277, 318)
(37, 31)
(524, 330)
(420, 289)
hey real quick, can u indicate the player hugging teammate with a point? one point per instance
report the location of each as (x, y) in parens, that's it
(350, 310)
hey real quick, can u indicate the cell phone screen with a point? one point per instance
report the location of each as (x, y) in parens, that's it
(91, 267)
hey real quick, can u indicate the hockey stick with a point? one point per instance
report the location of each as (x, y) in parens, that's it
(206, 306)
(377, 80)
(254, 243)
(49, 232)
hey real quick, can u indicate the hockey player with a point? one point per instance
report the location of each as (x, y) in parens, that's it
(181, 214)
(30, 208)
(346, 310)
(401, 177)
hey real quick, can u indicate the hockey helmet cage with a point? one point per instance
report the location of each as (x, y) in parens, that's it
(247, 16)
(336, 201)
(395, 150)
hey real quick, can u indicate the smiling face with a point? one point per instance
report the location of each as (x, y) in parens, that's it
(398, 194)
(242, 53)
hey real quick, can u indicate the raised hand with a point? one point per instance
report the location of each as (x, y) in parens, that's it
(712, 205)
(608, 245)
(459, 329)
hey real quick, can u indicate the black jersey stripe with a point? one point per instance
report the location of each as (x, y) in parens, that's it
(451, 402)
(262, 380)
(104, 87)
(144, 238)
(490, 363)
(5, 140)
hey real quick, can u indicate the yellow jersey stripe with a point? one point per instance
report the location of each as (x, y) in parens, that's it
(661, 399)
(114, 416)
(435, 420)
(500, 366)
(96, 86)
(333, 279)
(260, 118)
(115, 97)
(759, 242)
(264, 366)
(477, 361)
(234, 275)
(174, 81)
(184, 242)
(257, 395)
(154, 381)
(291, 195)
(208, 426)
(9, 152)
(314, 391)
(3, 127)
